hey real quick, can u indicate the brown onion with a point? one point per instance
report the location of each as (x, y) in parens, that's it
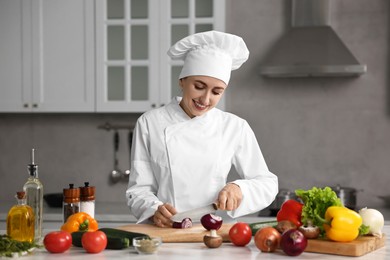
(293, 242)
(267, 239)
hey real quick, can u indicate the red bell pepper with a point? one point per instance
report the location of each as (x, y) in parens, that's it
(291, 210)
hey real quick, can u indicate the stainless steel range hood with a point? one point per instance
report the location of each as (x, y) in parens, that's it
(311, 48)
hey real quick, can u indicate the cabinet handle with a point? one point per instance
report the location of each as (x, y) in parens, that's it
(153, 105)
(162, 105)
(25, 105)
(35, 105)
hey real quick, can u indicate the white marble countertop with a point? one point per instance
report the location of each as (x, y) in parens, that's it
(117, 214)
(179, 251)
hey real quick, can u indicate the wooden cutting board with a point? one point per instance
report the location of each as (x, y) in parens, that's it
(358, 247)
(177, 235)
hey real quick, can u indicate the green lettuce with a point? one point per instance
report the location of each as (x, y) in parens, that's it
(316, 202)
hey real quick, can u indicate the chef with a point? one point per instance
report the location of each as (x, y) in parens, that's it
(182, 152)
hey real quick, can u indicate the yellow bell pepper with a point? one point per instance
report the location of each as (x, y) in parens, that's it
(80, 222)
(342, 224)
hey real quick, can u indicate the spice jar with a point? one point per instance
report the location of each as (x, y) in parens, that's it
(71, 203)
(87, 199)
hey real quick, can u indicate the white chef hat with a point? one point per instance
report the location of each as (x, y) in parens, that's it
(211, 53)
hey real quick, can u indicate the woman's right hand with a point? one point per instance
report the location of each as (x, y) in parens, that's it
(163, 214)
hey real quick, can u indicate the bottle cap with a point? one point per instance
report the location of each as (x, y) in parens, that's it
(20, 194)
(87, 192)
(72, 194)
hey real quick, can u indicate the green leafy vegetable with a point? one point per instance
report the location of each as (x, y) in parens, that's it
(364, 230)
(8, 246)
(316, 202)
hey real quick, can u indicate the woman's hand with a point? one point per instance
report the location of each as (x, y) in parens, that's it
(163, 214)
(229, 198)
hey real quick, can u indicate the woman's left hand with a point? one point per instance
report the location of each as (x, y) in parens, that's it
(162, 216)
(229, 198)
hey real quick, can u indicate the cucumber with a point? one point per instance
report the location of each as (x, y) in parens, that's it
(113, 232)
(76, 238)
(259, 225)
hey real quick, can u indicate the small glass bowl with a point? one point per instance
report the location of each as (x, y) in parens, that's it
(146, 245)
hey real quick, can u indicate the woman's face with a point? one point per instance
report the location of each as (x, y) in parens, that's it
(200, 94)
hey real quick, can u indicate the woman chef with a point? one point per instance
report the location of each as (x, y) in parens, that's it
(183, 152)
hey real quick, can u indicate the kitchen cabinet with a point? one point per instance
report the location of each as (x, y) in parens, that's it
(133, 71)
(47, 56)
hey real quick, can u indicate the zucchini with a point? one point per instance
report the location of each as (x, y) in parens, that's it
(113, 232)
(117, 242)
(259, 225)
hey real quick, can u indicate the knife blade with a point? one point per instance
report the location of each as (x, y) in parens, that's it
(195, 214)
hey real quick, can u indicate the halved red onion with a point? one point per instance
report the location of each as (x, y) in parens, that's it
(185, 223)
(211, 221)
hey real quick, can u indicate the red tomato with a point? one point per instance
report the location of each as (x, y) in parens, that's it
(57, 241)
(240, 234)
(94, 242)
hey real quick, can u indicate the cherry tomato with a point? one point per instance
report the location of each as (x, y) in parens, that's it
(240, 234)
(94, 242)
(57, 241)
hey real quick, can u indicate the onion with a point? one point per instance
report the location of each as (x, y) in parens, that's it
(211, 221)
(293, 242)
(185, 223)
(374, 220)
(267, 239)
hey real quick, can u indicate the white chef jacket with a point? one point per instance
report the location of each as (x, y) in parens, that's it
(185, 162)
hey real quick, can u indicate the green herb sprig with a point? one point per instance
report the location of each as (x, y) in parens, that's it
(8, 246)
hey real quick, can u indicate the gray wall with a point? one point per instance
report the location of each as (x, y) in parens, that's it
(316, 132)
(312, 132)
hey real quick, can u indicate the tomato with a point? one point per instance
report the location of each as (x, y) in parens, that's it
(240, 234)
(94, 242)
(57, 241)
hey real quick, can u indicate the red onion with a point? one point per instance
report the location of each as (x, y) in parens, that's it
(185, 223)
(293, 242)
(211, 221)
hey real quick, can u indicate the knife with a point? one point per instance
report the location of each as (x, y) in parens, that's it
(195, 214)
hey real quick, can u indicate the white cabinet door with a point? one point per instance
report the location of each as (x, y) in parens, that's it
(133, 71)
(14, 41)
(126, 64)
(63, 55)
(47, 52)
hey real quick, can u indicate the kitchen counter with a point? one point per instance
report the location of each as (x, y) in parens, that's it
(117, 214)
(179, 251)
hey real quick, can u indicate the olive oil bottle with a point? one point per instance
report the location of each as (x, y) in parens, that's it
(34, 193)
(20, 220)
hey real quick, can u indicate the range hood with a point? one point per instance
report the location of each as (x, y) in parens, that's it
(311, 48)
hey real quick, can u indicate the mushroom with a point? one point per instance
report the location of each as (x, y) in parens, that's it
(212, 240)
(310, 231)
